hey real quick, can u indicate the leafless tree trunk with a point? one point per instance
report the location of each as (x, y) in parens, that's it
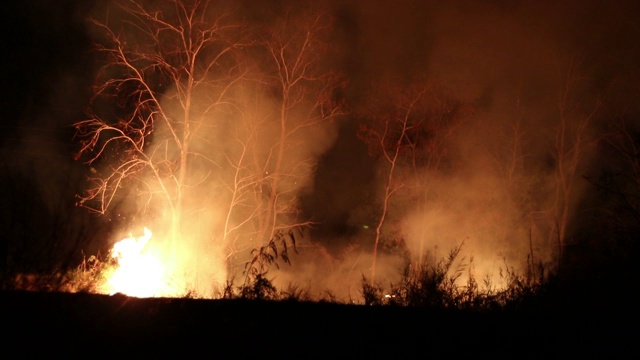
(144, 115)
(573, 138)
(296, 51)
(408, 134)
(186, 87)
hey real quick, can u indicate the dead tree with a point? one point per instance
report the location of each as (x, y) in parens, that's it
(293, 99)
(168, 68)
(186, 87)
(574, 137)
(407, 132)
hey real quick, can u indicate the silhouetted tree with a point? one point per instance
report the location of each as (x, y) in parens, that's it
(574, 137)
(406, 129)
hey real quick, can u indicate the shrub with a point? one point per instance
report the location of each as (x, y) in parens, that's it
(90, 275)
(436, 286)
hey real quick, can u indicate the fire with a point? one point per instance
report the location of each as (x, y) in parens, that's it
(139, 271)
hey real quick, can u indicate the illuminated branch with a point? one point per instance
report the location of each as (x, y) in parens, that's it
(156, 60)
(573, 138)
(295, 47)
(167, 121)
(408, 129)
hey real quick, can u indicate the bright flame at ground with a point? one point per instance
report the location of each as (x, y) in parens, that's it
(139, 272)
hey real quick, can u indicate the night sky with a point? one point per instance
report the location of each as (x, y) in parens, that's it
(507, 60)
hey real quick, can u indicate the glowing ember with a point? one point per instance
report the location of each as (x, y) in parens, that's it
(139, 273)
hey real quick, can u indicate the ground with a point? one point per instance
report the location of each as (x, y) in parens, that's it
(97, 325)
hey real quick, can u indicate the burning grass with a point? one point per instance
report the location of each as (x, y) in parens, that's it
(134, 267)
(131, 271)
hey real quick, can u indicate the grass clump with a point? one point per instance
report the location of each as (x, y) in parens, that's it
(256, 284)
(91, 275)
(437, 286)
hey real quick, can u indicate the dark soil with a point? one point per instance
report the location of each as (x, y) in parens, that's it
(97, 326)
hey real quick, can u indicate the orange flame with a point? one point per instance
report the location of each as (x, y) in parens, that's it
(139, 273)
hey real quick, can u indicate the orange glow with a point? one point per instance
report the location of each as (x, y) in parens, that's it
(139, 272)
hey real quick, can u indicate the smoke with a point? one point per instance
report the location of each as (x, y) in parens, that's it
(229, 175)
(534, 73)
(531, 71)
(235, 137)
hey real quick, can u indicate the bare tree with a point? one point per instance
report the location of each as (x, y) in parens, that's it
(573, 138)
(408, 134)
(512, 155)
(624, 174)
(169, 69)
(288, 103)
(192, 102)
(298, 50)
